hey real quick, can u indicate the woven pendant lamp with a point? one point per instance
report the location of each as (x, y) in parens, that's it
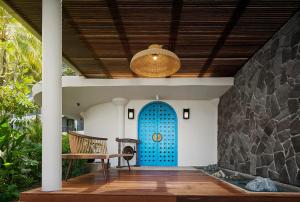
(155, 62)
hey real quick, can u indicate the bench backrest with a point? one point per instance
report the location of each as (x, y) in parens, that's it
(86, 144)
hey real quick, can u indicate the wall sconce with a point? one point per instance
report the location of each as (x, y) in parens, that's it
(186, 113)
(130, 113)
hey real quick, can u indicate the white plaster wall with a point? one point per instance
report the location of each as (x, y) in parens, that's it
(100, 121)
(197, 136)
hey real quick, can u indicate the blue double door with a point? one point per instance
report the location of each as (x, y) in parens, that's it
(157, 132)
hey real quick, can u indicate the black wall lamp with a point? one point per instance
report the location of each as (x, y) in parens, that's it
(130, 113)
(186, 113)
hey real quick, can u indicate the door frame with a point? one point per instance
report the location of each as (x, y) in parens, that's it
(176, 128)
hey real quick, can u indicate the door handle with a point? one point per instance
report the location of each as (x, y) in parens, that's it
(154, 137)
(157, 137)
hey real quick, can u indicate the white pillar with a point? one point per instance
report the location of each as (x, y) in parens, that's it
(52, 95)
(120, 103)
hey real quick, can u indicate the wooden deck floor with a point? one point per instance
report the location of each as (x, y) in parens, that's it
(151, 186)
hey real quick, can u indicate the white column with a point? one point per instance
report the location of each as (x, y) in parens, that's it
(120, 103)
(52, 95)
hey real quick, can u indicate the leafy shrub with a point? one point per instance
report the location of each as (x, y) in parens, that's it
(34, 130)
(15, 102)
(20, 160)
(8, 192)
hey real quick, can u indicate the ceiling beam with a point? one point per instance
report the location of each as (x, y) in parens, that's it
(94, 55)
(236, 15)
(117, 20)
(175, 21)
(118, 23)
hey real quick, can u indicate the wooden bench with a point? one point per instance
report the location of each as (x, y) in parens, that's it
(87, 147)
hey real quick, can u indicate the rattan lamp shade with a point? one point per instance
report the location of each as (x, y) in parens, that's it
(155, 62)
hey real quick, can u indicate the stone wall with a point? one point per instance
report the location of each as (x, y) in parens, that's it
(259, 117)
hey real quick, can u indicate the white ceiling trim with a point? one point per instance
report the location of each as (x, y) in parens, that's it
(90, 92)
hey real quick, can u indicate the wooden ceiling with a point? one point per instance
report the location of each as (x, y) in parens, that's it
(213, 38)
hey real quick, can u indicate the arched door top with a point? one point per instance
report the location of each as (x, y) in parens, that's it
(157, 102)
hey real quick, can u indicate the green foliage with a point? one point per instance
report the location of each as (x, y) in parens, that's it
(21, 160)
(67, 71)
(20, 53)
(34, 130)
(15, 101)
(8, 192)
(20, 139)
(20, 67)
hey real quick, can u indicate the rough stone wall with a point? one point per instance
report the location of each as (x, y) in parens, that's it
(259, 117)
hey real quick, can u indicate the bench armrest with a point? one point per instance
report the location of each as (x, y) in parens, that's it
(86, 136)
(127, 140)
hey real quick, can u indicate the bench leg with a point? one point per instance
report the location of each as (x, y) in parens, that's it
(107, 170)
(69, 169)
(104, 169)
(128, 165)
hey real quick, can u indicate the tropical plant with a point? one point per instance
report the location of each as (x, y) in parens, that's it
(20, 68)
(15, 102)
(67, 71)
(34, 130)
(20, 53)
(20, 160)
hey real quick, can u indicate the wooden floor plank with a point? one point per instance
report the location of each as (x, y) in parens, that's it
(150, 186)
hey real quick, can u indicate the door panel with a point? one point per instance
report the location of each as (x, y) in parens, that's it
(167, 127)
(147, 127)
(158, 135)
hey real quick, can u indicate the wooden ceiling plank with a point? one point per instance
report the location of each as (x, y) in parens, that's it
(237, 13)
(94, 55)
(117, 20)
(175, 22)
(150, 21)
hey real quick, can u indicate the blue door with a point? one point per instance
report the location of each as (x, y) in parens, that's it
(157, 131)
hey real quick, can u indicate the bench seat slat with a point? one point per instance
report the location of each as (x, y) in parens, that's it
(93, 156)
(119, 155)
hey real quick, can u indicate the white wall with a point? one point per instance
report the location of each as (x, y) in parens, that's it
(197, 136)
(99, 121)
